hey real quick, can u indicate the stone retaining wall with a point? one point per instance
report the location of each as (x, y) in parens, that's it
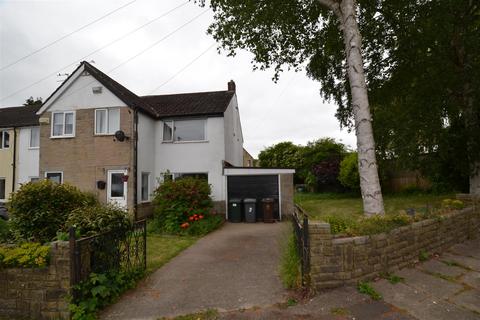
(338, 261)
(37, 293)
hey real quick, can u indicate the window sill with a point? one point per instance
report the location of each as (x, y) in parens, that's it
(104, 134)
(183, 142)
(61, 137)
(33, 148)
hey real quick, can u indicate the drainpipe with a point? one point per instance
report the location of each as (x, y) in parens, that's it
(135, 162)
(14, 164)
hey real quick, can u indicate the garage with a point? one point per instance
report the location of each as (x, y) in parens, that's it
(261, 183)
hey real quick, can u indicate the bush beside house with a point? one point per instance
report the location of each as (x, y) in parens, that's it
(184, 207)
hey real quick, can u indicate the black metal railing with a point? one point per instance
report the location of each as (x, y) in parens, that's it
(300, 229)
(124, 250)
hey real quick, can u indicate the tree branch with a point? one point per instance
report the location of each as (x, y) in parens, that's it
(332, 5)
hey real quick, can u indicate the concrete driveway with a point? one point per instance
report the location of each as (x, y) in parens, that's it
(232, 268)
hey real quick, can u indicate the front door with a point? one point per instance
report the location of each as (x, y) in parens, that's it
(117, 187)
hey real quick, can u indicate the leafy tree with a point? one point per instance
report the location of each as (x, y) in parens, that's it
(423, 66)
(33, 102)
(289, 33)
(281, 155)
(348, 175)
(326, 173)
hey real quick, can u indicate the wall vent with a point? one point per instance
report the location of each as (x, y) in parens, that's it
(97, 90)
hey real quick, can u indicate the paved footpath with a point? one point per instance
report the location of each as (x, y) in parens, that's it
(443, 288)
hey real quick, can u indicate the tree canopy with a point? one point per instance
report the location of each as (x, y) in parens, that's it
(289, 34)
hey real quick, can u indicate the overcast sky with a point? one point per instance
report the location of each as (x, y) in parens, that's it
(290, 110)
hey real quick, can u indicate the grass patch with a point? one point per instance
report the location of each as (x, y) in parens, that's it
(365, 288)
(344, 212)
(423, 255)
(290, 263)
(291, 302)
(339, 312)
(393, 278)
(162, 248)
(210, 314)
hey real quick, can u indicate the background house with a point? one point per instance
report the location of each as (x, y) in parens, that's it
(19, 148)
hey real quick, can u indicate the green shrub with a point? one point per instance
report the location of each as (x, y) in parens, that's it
(339, 224)
(181, 204)
(5, 232)
(99, 290)
(379, 224)
(348, 175)
(98, 218)
(26, 255)
(38, 210)
(452, 204)
(290, 263)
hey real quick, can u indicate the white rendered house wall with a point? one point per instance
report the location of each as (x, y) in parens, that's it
(146, 154)
(28, 158)
(194, 157)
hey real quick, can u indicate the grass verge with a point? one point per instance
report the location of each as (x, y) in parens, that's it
(162, 248)
(290, 263)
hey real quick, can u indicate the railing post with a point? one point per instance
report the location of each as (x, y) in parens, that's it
(145, 244)
(73, 260)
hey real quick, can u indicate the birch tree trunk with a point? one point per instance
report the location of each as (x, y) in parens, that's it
(367, 163)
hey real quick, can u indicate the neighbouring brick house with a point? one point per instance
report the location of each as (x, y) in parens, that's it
(101, 137)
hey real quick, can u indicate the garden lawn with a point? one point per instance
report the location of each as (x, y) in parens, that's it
(162, 248)
(318, 205)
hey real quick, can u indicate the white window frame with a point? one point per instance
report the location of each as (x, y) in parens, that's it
(2, 137)
(148, 187)
(107, 112)
(61, 175)
(5, 191)
(173, 140)
(30, 144)
(63, 135)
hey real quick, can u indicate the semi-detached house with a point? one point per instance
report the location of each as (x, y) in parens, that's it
(19, 148)
(101, 137)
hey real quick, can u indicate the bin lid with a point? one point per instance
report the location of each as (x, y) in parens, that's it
(267, 200)
(249, 200)
(235, 200)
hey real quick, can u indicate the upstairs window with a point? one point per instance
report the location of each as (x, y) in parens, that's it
(34, 137)
(4, 140)
(107, 121)
(184, 130)
(63, 124)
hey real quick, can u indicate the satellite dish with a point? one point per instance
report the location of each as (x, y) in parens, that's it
(120, 136)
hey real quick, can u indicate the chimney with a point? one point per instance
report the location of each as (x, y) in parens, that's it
(231, 86)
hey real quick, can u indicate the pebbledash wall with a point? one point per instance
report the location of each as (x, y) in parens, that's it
(339, 261)
(37, 293)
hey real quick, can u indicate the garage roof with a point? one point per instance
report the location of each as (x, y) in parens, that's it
(250, 171)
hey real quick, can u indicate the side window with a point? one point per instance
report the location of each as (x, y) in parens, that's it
(4, 139)
(145, 186)
(2, 188)
(34, 137)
